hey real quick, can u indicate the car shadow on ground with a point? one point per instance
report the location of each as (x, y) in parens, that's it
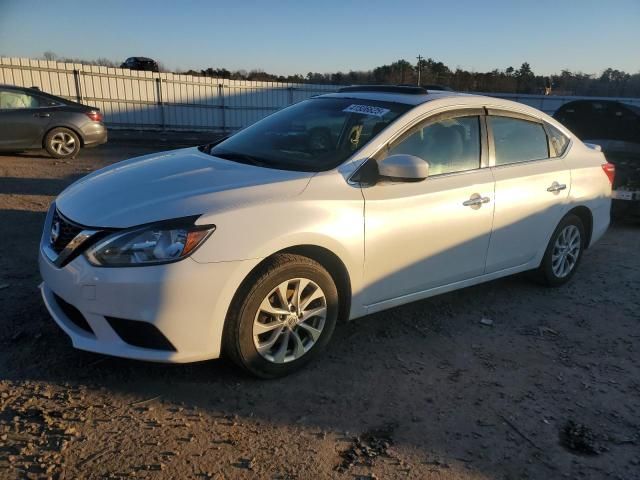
(35, 186)
(26, 154)
(407, 368)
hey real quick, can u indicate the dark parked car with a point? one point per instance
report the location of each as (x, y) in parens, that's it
(140, 63)
(614, 126)
(31, 119)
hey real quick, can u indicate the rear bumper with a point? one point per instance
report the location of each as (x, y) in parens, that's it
(94, 134)
(624, 207)
(626, 195)
(601, 216)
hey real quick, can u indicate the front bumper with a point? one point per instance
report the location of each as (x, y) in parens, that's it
(186, 301)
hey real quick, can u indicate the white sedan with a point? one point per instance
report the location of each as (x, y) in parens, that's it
(334, 208)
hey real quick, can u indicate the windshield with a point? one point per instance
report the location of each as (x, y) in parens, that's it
(314, 135)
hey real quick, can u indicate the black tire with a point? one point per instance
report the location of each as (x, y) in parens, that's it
(546, 273)
(238, 340)
(70, 143)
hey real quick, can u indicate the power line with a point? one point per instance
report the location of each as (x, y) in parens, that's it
(420, 58)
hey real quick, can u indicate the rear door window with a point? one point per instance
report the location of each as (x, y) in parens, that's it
(518, 140)
(14, 100)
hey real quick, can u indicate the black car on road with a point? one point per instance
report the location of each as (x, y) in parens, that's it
(31, 119)
(140, 63)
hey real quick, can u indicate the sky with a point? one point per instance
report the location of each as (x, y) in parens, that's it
(287, 37)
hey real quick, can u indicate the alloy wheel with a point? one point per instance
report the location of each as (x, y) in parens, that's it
(63, 143)
(289, 320)
(566, 251)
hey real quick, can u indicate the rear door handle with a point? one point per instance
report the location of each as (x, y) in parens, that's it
(476, 201)
(42, 115)
(556, 187)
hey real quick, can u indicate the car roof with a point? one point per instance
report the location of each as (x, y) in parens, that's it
(406, 98)
(15, 87)
(37, 91)
(30, 89)
(435, 100)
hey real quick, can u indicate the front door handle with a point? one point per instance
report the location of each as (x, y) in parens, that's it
(556, 187)
(476, 201)
(42, 115)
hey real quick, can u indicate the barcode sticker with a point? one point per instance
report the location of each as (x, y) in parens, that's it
(367, 110)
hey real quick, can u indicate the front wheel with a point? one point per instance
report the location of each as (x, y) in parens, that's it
(62, 143)
(282, 317)
(563, 253)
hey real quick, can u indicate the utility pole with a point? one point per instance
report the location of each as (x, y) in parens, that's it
(420, 58)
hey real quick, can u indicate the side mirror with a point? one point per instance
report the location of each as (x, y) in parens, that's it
(404, 168)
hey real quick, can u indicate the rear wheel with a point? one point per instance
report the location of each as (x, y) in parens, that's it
(283, 317)
(62, 143)
(563, 253)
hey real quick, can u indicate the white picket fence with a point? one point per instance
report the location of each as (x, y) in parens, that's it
(147, 100)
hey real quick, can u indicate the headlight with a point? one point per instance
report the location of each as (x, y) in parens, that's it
(153, 244)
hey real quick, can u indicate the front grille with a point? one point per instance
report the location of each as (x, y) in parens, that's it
(140, 334)
(73, 314)
(67, 232)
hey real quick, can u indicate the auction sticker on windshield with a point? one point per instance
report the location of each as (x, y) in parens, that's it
(367, 110)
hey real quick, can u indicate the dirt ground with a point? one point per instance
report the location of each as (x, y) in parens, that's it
(506, 380)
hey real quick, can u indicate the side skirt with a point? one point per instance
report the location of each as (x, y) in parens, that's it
(412, 297)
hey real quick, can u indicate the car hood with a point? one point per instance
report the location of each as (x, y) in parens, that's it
(172, 184)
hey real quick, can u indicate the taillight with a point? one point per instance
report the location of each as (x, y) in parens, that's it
(95, 116)
(610, 171)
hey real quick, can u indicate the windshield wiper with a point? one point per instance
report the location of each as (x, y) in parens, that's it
(239, 157)
(206, 148)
